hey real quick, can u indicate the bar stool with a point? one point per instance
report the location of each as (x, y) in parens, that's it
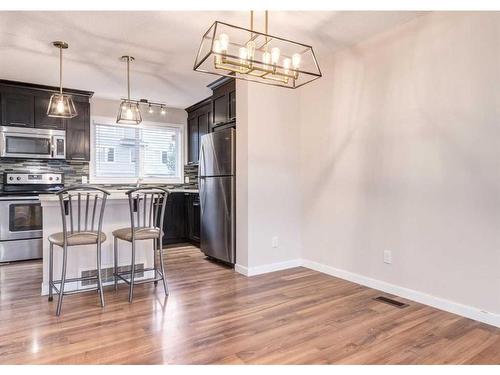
(79, 205)
(147, 209)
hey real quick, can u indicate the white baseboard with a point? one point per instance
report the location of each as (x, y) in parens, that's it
(413, 295)
(69, 287)
(259, 270)
(410, 294)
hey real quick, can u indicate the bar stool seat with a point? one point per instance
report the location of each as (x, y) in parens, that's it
(146, 233)
(82, 238)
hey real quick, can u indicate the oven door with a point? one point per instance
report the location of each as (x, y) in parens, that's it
(25, 145)
(20, 218)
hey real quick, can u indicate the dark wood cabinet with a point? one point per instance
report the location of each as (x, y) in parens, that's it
(174, 226)
(25, 104)
(223, 102)
(41, 119)
(182, 219)
(212, 114)
(78, 133)
(193, 139)
(193, 217)
(198, 124)
(17, 107)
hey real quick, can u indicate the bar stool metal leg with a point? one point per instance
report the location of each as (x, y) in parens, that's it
(155, 262)
(115, 255)
(132, 274)
(163, 270)
(99, 276)
(51, 270)
(63, 278)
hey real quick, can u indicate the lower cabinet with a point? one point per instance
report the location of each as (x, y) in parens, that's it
(182, 219)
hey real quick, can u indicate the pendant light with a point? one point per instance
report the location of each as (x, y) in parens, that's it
(61, 105)
(129, 112)
(250, 55)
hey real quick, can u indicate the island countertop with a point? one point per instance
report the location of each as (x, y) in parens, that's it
(115, 194)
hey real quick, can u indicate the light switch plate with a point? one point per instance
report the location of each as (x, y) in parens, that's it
(85, 180)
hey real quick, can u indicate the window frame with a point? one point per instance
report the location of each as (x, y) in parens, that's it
(108, 121)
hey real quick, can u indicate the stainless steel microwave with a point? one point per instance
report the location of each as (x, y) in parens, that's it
(31, 143)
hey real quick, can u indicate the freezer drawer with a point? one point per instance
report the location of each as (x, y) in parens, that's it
(217, 217)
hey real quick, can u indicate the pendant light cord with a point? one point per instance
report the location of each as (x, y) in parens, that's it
(60, 70)
(267, 23)
(128, 77)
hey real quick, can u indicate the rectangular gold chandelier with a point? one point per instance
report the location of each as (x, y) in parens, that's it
(234, 51)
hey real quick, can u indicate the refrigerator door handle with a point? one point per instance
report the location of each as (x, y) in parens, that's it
(202, 193)
(201, 161)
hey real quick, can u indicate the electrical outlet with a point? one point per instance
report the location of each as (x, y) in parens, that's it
(387, 256)
(274, 241)
(84, 180)
(186, 179)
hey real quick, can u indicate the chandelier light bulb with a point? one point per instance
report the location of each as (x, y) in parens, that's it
(296, 60)
(163, 111)
(128, 113)
(266, 59)
(250, 50)
(243, 53)
(286, 65)
(275, 55)
(150, 109)
(217, 46)
(224, 42)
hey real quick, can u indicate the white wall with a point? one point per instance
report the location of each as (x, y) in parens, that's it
(400, 150)
(268, 196)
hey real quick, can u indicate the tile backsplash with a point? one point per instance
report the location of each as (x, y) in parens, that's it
(73, 171)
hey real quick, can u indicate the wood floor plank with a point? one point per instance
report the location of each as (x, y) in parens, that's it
(215, 315)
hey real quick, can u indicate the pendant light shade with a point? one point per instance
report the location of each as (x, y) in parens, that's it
(129, 112)
(61, 105)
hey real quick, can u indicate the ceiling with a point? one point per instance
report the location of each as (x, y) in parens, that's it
(163, 43)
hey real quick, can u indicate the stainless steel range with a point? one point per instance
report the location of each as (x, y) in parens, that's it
(21, 213)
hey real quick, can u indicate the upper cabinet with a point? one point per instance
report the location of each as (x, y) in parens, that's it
(223, 101)
(198, 124)
(17, 107)
(41, 119)
(212, 114)
(78, 133)
(25, 104)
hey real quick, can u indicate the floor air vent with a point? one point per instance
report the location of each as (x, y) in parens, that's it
(107, 274)
(392, 302)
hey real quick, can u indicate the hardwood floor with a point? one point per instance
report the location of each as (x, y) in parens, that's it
(214, 315)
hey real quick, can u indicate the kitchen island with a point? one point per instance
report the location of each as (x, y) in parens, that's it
(83, 258)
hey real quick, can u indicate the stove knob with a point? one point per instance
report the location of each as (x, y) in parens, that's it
(57, 178)
(50, 178)
(11, 178)
(18, 178)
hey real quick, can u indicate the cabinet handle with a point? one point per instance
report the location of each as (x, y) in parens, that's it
(18, 123)
(73, 158)
(232, 118)
(196, 204)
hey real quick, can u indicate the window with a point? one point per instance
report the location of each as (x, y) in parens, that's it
(126, 153)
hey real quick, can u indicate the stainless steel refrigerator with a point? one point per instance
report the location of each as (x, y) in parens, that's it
(217, 167)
